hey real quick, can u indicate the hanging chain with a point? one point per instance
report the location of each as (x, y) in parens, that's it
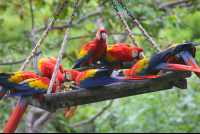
(73, 14)
(60, 9)
(114, 5)
(125, 8)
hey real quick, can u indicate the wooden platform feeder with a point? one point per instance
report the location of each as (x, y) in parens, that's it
(80, 96)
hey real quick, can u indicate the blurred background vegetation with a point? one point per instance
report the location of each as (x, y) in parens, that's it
(167, 21)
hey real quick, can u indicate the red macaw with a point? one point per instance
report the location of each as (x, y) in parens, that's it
(10, 80)
(93, 51)
(26, 90)
(185, 56)
(90, 78)
(119, 53)
(45, 68)
(156, 61)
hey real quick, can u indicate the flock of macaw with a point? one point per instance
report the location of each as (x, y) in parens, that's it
(28, 84)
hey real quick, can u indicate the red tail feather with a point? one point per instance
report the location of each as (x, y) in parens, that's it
(181, 67)
(141, 77)
(72, 112)
(190, 63)
(68, 110)
(14, 119)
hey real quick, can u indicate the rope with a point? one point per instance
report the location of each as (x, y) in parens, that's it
(62, 49)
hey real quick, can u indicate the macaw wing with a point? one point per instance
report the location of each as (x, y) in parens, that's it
(98, 78)
(114, 55)
(84, 55)
(176, 48)
(36, 65)
(54, 61)
(30, 91)
(104, 80)
(30, 87)
(4, 82)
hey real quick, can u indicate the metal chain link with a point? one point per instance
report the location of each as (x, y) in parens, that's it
(125, 8)
(60, 9)
(114, 5)
(73, 14)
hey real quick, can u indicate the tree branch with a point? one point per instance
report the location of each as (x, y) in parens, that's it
(91, 119)
(41, 122)
(66, 25)
(164, 6)
(11, 63)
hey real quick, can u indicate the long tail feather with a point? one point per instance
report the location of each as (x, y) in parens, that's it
(72, 112)
(68, 110)
(171, 67)
(16, 116)
(189, 60)
(141, 77)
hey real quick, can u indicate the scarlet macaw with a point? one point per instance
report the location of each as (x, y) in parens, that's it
(93, 51)
(11, 80)
(45, 68)
(90, 78)
(119, 53)
(26, 90)
(185, 56)
(156, 61)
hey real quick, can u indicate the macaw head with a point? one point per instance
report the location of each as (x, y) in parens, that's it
(70, 75)
(101, 35)
(136, 52)
(56, 88)
(59, 79)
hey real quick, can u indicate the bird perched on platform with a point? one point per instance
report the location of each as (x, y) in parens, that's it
(26, 90)
(8, 81)
(157, 62)
(185, 56)
(44, 66)
(90, 78)
(119, 53)
(93, 51)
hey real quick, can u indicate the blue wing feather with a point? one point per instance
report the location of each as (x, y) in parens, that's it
(79, 62)
(31, 91)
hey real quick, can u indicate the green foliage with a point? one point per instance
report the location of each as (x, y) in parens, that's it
(173, 110)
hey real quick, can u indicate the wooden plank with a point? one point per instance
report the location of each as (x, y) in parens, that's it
(113, 88)
(80, 96)
(109, 96)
